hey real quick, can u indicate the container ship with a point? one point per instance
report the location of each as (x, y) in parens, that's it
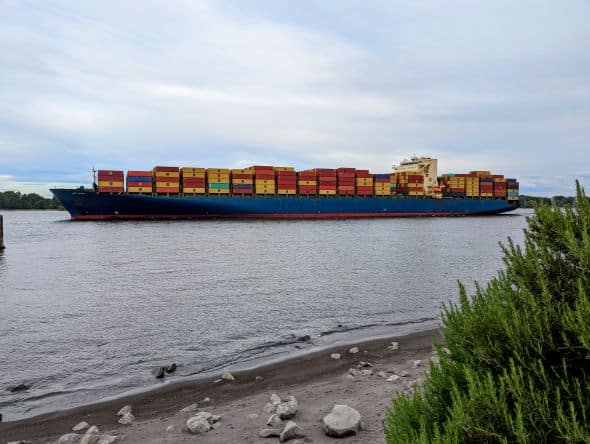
(412, 189)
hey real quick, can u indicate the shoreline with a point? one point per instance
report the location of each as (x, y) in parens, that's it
(164, 402)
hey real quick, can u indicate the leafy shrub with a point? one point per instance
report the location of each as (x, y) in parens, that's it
(519, 363)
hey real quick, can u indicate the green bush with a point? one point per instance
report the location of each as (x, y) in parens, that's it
(519, 363)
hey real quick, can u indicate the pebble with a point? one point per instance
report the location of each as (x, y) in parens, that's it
(127, 419)
(366, 372)
(107, 439)
(287, 409)
(274, 421)
(275, 399)
(206, 400)
(393, 378)
(364, 364)
(342, 421)
(92, 431)
(335, 356)
(227, 376)
(170, 429)
(354, 372)
(124, 410)
(394, 346)
(291, 431)
(198, 425)
(353, 350)
(404, 374)
(416, 363)
(259, 378)
(269, 408)
(69, 438)
(382, 374)
(267, 433)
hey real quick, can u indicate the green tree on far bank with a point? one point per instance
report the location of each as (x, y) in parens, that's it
(14, 200)
(518, 370)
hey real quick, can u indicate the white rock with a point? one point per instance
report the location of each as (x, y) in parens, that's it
(206, 400)
(269, 408)
(69, 438)
(287, 409)
(205, 415)
(382, 374)
(350, 377)
(354, 371)
(217, 381)
(107, 439)
(404, 374)
(394, 346)
(190, 408)
(92, 431)
(274, 421)
(214, 419)
(393, 378)
(342, 421)
(275, 399)
(127, 419)
(125, 410)
(446, 351)
(366, 372)
(259, 378)
(291, 431)
(198, 425)
(267, 433)
(170, 429)
(90, 439)
(80, 426)
(416, 363)
(227, 376)
(353, 350)
(336, 356)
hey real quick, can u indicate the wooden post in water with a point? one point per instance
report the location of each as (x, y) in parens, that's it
(1, 233)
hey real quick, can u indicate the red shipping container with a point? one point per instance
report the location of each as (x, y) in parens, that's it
(241, 191)
(167, 169)
(327, 187)
(242, 176)
(261, 168)
(307, 189)
(193, 182)
(136, 173)
(286, 173)
(325, 172)
(110, 189)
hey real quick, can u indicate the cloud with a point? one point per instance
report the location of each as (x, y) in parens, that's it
(130, 85)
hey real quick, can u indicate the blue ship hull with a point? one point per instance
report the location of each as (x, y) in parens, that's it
(90, 205)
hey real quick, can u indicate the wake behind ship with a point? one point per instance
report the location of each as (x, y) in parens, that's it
(412, 189)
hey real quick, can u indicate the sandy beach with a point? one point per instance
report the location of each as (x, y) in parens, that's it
(315, 379)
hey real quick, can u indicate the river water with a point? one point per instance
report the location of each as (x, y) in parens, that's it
(86, 308)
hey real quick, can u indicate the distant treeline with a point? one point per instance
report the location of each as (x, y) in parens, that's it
(14, 200)
(530, 201)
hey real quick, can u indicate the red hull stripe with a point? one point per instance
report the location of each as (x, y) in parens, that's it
(258, 216)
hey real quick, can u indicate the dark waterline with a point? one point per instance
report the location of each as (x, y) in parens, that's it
(87, 308)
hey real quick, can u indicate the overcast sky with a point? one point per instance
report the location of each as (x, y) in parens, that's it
(501, 85)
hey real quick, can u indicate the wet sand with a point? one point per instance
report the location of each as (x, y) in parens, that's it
(316, 380)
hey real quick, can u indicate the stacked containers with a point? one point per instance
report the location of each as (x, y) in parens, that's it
(242, 181)
(382, 184)
(286, 178)
(393, 184)
(326, 181)
(486, 186)
(411, 183)
(454, 184)
(218, 181)
(110, 181)
(345, 181)
(512, 187)
(307, 183)
(472, 185)
(264, 179)
(139, 182)
(193, 180)
(499, 186)
(364, 183)
(167, 179)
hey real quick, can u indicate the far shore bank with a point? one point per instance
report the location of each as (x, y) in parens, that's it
(316, 380)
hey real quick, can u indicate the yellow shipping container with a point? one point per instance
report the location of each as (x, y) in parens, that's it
(260, 182)
(499, 179)
(161, 183)
(106, 183)
(246, 181)
(416, 193)
(307, 182)
(284, 169)
(365, 182)
(264, 192)
(187, 190)
(327, 192)
(217, 171)
(197, 175)
(242, 171)
(167, 174)
(139, 189)
(218, 178)
(382, 192)
(218, 190)
(192, 170)
(486, 194)
(283, 191)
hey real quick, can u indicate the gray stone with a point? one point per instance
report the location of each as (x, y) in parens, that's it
(18, 388)
(217, 381)
(274, 421)
(127, 419)
(107, 439)
(69, 438)
(267, 433)
(92, 431)
(291, 431)
(227, 376)
(336, 356)
(287, 409)
(205, 415)
(190, 408)
(275, 400)
(364, 364)
(353, 350)
(80, 426)
(394, 346)
(125, 410)
(342, 421)
(382, 374)
(170, 429)
(393, 378)
(214, 419)
(259, 379)
(404, 374)
(90, 439)
(354, 372)
(416, 363)
(198, 425)
(206, 400)
(158, 372)
(269, 408)
(366, 372)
